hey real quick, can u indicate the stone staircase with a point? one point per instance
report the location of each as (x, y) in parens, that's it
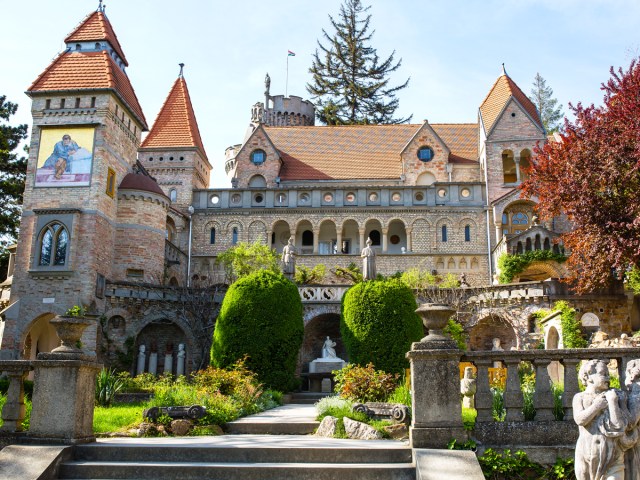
(307, 398)
(240, 457)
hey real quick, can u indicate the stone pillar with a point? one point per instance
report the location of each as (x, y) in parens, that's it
(63, 398)
(339, 239)
(409, 242)
(571, 386)
(543, 398)
(292, 234)
(385, 239)
(517, 160)
(484, 397)
(269, 235)
(513, 398)
(362, 239)
(435, 388)
(499, 232)
(316, 241)
(13, 411)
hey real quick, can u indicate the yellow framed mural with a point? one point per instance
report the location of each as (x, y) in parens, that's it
(65, 157)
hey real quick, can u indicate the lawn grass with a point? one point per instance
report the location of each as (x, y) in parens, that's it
(118, 417)
(469, 418)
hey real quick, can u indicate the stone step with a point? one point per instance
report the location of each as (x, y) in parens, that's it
(235, 471)
(262, 428)
(307, 398)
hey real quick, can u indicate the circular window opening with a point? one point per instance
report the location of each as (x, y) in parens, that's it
(351, 197)
(394, 239)
(373, 197)
(425, 154)
(419, 196)
(151, 159)
(181, 158)
(258, 198)
(442, 192)
(396, 197)
(513, 114)
(328, 197)
(215, 199)
(235, 198)
(161, 158)
(465, 193)
(170, 159)
(258, 157)
(304, 198)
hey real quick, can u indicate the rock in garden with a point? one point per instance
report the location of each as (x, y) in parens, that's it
(397, 431)
(148, 430)
(181, 427)
(327, 427)
(360, 431)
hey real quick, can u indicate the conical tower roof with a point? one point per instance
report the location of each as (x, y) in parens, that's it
(96, 27)
(176, 124)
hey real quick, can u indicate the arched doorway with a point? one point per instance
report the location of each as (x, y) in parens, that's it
(482, 334)
(41, 337)
(161, 337)
(315, 333)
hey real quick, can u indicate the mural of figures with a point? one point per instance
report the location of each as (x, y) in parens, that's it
(65, 157)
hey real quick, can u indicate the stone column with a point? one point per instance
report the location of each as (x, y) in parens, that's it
(499, 232)
(385, 240)
(269, 235)
(513, 398)
(543, 398)
(362, 239)
(316, 241)
(293, 235)
(63, 398)
(571, 386)
(517, 160)
(14, 410)
(339, 239)
(409, 242)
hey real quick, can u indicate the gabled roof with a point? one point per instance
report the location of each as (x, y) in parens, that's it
(176, 124)
(94, 27)
(360, 151)
(502, 91)
(73, 71)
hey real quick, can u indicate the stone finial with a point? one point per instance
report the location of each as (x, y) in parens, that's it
(504, 71)
(181, 69)
(100, 6)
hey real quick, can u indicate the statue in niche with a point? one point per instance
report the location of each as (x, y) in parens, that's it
(328, 349)
(463, 281)
(181, 357)
(142, 357)
(289, 259)
(602, 417)
(468, 388)
(368, 261)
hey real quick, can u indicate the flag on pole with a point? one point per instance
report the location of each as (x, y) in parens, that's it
(290, 53)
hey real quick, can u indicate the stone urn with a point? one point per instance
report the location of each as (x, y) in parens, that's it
(69, 330)
(435, 317)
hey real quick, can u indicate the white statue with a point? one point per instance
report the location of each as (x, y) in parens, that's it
(328, 349)
(496, 347)
(468, 388)
(289, 259)
(602, 417)
(142, 357)
(153, 359)
(368, 262)
(181, 355)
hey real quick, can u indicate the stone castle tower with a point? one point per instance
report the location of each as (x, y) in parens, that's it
(86, 199)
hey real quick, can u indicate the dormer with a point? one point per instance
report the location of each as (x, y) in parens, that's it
(257, 163)
(425, 158)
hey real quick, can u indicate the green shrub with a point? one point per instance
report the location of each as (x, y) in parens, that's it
(261, 319)
(364, 384)
(507, 466)
(633, 280)
(108, 384)
(379, 323)
(511, 265)
(498, 409)
(456, 332)
(571, 333)
(332, 402)
(308, 276)
(402, 394)
(469, 418)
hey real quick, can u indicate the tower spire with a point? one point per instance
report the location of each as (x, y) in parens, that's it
(181, 68)
(100, 6)
(504, 71)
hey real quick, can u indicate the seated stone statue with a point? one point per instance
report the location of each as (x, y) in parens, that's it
(328, 349)
(602, 417)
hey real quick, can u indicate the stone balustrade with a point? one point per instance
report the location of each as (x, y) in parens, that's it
(13, 411)
(322, 293)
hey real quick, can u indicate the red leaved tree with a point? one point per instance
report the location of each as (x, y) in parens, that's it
(593, 176)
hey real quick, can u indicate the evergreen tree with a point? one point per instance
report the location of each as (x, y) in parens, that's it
(350, 83)
(13, 171)
(542, 97)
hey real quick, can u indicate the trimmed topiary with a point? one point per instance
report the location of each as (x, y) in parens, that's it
(261, 318)
(379, 323)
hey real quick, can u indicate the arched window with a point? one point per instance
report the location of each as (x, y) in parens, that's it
(509, 167)
(525, 164)
(467, 233)
(173, 195)
(54, 245)
(547, 244)
(374, 235)
(444, 233)
(527, 246)
(307, 238)
(234, 236)
(257, 181)
(212, 236)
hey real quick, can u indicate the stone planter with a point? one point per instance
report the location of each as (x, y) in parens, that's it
(435, 318)
(69, 330)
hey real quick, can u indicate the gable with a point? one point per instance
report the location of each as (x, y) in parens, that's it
(514, 122)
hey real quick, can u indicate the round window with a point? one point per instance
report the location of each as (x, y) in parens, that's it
(328, 197)
(442, 192)
(425, 154)
(215, 199)
(258, 198)
(373, 197)
(394, 239)
(396, 197)
(235, 198)
(419, 196)
(304, 198)
(465, 193)
(350, 197)
(258, 157)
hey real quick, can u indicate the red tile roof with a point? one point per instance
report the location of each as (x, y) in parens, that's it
(96, 26)
(503, 89)
(360, 151)
(89, 71)
(176, 124)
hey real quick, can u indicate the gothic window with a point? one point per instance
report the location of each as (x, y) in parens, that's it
(307, 238)
(374, 235)
(509, 167)
(212, 236)
(54, 245)
(467, 233)
(234, 236)
(444, 233)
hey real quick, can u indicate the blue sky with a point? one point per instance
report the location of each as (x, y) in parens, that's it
(452, 50)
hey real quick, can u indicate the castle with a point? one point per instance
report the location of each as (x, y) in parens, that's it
(117, 223)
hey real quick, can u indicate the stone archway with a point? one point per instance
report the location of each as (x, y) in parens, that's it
(482, 334)
(316, 331)
(40, 337)
(162, 337)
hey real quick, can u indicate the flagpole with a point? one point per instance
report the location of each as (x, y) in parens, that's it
(286, 86)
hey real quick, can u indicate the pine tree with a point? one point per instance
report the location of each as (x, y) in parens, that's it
(542, 97)
(350, 83)
(12, 176)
